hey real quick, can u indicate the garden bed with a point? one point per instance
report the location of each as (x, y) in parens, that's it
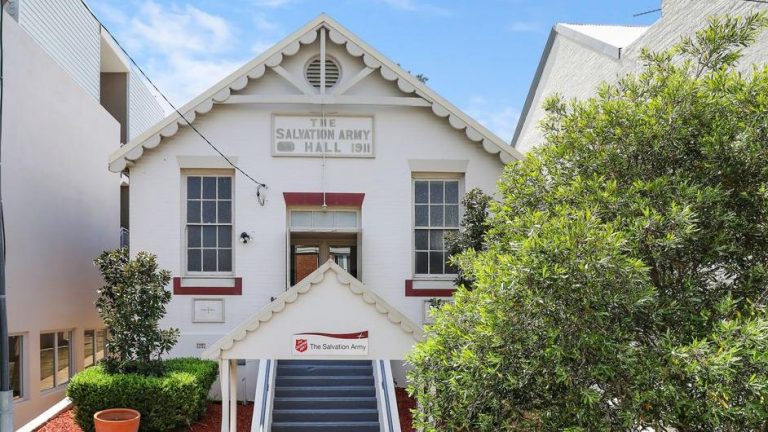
(210, 422)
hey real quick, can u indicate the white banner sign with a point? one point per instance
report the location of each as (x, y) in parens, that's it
(335, 344)
(315, 136)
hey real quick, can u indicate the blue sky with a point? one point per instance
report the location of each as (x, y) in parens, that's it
(481, 55)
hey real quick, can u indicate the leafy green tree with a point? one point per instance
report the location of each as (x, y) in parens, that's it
(131, 303)
(471, 235)
(624, 283)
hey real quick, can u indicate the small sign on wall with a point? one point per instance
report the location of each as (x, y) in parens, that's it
(208, 310)
(318, 136)
(330, 344)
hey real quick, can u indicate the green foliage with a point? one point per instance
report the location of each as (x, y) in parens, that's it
(471, 236)
(176, 399)
(625, 275)
(131, 303)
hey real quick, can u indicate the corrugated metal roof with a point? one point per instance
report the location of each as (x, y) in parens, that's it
(617, 36)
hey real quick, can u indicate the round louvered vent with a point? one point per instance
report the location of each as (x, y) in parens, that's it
(332, 72)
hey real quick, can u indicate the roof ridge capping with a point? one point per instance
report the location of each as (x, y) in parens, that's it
(307, 34)
(603, 38)
(292, 294)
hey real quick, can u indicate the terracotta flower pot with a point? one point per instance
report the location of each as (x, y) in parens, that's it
(117, 420)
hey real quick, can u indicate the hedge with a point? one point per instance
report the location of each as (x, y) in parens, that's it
(175, 399)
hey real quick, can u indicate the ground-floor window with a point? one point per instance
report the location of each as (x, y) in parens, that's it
(94, 345)
(55, 359)
(16, 356)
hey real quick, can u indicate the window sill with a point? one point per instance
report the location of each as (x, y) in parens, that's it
(432, 287)
(208, 285)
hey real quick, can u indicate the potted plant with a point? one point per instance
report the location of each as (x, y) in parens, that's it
(117, 420)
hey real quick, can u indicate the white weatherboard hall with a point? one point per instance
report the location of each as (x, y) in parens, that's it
(309, 292)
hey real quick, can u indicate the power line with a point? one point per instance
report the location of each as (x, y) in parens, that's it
(197, 131)
(646, 13)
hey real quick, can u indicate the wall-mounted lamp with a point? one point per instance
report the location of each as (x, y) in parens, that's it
(244, 238)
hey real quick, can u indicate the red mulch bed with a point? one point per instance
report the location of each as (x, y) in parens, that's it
(405, 404)
(210, 422)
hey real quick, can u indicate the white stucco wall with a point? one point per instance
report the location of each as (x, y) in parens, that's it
(243, 131)
(61, 205)
(574, 70)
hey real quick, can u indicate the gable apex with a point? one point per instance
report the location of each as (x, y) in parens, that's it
(273, 57)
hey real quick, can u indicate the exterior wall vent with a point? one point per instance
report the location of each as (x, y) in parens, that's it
(332, 72)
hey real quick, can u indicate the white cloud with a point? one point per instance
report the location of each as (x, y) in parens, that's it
(272, 3)
(525, 27)
(416, 6)
(188, 28)
(500, 119)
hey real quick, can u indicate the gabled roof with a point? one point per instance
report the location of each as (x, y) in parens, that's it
(616, 36)
(289, 46)
(285, 300)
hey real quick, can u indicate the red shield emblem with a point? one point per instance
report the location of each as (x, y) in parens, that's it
(301, 345)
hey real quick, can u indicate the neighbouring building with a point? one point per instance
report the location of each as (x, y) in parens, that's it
(70, 98)
(578, 57)
(311, 290)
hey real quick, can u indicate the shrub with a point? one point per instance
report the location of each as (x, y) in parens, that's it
(176, 399)
(132, 302)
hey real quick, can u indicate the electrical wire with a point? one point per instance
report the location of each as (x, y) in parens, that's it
(165, 98)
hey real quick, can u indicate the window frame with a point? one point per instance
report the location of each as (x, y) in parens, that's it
(432, 176)
(22, 367)
(95, 345)
(185, 174)
(70, 366)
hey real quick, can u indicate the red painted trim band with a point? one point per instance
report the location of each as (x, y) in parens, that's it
(358, 335)
(331, 199)
(189, 290)
(426, 292)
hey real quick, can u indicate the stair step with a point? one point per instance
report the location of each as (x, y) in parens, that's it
(334, 391)
(325, 415)
(281, 403)
(324, 370)
(323, 381)
(325, 426)
(325, 362)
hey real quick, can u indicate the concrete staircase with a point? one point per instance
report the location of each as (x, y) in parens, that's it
(324, 395)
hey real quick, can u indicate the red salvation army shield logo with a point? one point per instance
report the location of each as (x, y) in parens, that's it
(301, 345)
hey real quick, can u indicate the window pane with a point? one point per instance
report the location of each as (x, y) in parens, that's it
(225, 188)
(209, 236)
(422, 239)
(193, 211)
(193, 188)
(101, 344)
(209, 260)
(14, 354)
(346, 219)
(209, 211)
(436, 192)
(436, 263)
(225, 211)
(452, 215)
(209, 187)
(88, 345)
(452, 192)
(225, 236)
(46, 360)
(225, 260)
(322, 219)
(436, 240)
(62, 366)
(422, 262)
(422, 215)
(301, 219)
(421, 193)
(194, 260)
(194, 233)
(436, 215)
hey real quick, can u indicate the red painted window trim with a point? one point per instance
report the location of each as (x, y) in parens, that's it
(331, 199)
(426, 292)
(190, 290)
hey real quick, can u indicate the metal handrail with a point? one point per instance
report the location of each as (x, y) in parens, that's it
(264, 401)
(385, 391)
